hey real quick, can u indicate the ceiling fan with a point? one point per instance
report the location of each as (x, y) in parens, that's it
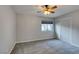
(47, 9)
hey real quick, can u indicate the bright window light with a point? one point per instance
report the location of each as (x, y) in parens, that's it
(46, 27)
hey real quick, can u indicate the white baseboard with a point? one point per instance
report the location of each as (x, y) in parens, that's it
(71, 43)
(32, 40)
(12, 47)
(75, 45)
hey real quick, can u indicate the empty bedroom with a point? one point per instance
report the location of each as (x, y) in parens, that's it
(39, 29)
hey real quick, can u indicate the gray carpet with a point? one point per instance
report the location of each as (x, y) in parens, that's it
(45, 47)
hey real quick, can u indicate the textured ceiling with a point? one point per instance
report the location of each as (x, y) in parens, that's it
(32, 10)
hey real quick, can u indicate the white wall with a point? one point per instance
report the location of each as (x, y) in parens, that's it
(7, 29)
(67, 28)
(29, 28)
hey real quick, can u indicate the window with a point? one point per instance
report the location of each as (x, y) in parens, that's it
(47, 26)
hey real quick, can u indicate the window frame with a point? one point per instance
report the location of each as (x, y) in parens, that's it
(45, 24)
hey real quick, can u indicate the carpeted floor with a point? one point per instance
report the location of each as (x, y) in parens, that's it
(45, 47)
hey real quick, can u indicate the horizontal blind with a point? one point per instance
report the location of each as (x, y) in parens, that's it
(47, 22)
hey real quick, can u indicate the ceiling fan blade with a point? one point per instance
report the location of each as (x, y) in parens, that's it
(54, 7)
(52, 12)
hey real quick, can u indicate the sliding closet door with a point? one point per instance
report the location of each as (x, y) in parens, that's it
(75, 31)
(66, 29)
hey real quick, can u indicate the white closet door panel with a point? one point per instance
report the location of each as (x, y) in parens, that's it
(65, 33)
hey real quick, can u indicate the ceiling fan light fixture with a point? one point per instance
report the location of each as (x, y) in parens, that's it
(46, 12)
(48, 9)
